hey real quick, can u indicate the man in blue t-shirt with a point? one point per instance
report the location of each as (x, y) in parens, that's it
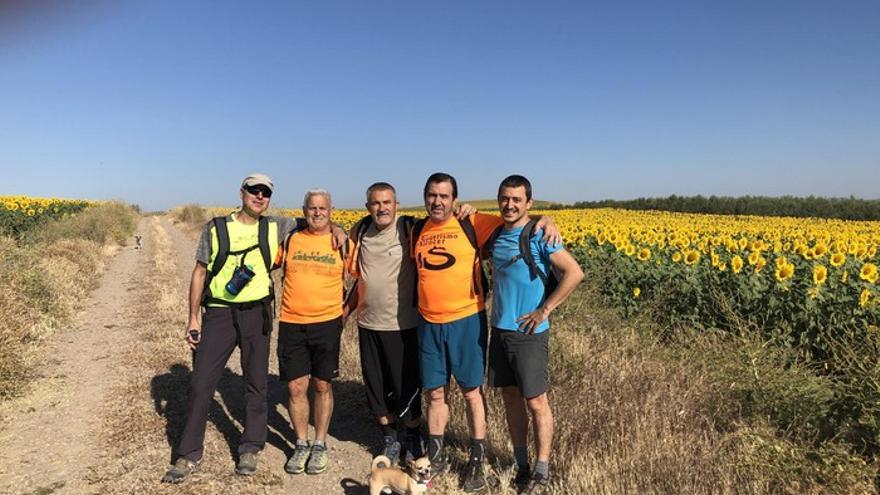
(523, 299)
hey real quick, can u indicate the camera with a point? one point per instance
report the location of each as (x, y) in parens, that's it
(240, 278)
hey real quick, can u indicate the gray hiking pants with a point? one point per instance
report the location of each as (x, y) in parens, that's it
(222, 330)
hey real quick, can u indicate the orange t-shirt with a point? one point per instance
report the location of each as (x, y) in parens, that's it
(445, 260)
(313, 279)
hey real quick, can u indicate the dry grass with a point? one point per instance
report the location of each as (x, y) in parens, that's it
(45, 278)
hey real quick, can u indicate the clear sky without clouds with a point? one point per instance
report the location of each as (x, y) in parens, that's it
(162, 103)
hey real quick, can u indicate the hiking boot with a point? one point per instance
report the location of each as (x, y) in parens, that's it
(537, 485)
(414, 447)
(297, 462)
(318, 460)
(474, 479)
(247, 464)
(391, 450)
(180, 470)
(522, 478)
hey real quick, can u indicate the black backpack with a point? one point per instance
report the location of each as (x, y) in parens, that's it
(223, 254)
(549, 279)
(481, 281)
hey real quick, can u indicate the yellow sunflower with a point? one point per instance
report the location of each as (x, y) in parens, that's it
(838, 259)
(644, 254)
(869, 272)
(820, 274)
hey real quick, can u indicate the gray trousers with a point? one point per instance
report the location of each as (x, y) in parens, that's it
(222, 330)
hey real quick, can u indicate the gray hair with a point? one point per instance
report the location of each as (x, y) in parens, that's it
(317, 192)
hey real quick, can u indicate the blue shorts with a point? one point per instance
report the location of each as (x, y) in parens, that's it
(457, 348)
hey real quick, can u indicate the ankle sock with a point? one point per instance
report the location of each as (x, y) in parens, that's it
(302, 443)
(543, 468)
(319, 443)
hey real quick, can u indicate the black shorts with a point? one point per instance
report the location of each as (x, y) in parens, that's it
(519, 359)
(309, 349)
(390, 365)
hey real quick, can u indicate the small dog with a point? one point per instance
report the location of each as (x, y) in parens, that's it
(137, 242)
(383, 476)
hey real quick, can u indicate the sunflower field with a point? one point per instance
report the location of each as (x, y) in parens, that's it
(19, 213)
(799, 280)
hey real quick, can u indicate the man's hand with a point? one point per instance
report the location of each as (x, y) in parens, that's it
(193, 337)
(552, 236)
(530, 321)
(464, 210)
(338, 236)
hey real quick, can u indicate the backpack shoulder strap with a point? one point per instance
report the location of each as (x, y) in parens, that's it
(263, 242)
(417, 228)
(222, 245)
(468, 227)
(525, 250)
(490, 243)
(362, 226)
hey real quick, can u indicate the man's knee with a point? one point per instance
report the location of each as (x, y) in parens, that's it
(539, 404)
(437, 395)
(298, 387)
(473, 395)
(322, 387)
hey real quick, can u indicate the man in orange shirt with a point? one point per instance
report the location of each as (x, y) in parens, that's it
(453, 328)
(310, 328)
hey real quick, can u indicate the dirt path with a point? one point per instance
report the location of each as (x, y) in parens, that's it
(109, 409)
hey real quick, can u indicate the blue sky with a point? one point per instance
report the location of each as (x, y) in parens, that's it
(164, 103)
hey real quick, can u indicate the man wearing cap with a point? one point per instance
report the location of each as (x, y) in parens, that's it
(231, 281)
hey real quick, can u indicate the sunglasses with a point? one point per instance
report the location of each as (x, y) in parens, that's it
(257, 190)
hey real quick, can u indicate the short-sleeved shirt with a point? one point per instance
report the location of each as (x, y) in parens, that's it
(386, 280)
(313, 279)
(445, 262)
(515, 293)
(241, 236)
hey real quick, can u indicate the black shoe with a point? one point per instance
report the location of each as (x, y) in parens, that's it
(474, 479)
(522, 478)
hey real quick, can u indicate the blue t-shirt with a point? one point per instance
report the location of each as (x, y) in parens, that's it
(515, 293)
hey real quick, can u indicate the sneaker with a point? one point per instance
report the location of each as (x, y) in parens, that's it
(439, 464)
(318, 460)
(180, 470)
(297, 462)
(537, 485)
(392, 450)
(247, 464)
(522, 478)
(414, 447)
(474, 479)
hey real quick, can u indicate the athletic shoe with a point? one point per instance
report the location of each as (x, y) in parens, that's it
(537, 485)
(439, 464)
(474, 479)
(180, 470)
(297, 462)
(247, 464)
(318, 460)
(522, 478)
(391, 450)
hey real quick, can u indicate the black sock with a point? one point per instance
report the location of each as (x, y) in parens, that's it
(435, 445)
(477, 449)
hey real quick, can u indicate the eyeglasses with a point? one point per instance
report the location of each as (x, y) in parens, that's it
(258, 190)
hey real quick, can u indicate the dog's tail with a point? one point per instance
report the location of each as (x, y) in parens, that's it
(380, 461)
